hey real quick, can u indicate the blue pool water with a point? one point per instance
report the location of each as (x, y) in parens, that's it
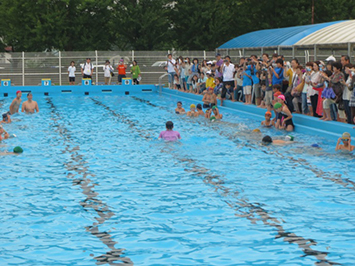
(95, 186)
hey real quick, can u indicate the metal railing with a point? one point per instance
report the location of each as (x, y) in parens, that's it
(160, 80)
(29, 68)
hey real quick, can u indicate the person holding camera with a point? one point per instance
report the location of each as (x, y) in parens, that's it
(247, 80)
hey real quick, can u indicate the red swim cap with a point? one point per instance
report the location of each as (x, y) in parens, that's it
(17, 92)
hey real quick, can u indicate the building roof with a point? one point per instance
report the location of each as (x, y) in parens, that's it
(330, 32)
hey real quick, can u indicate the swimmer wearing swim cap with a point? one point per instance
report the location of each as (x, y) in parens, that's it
(256, 130)
(346, 140)
(15, 105)
(267, 140)
(192, 112)
(214, 112)
(268, 122)
(16, 151)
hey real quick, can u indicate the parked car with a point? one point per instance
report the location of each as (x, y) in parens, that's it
(159, 64)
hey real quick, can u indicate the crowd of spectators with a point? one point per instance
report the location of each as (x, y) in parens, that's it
(320, 89)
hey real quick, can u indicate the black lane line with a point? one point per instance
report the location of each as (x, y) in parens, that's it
(335, 178)
(79, 173)
(252, 211)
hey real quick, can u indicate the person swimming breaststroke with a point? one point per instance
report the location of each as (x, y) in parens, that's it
(169, 134)
(346, 140)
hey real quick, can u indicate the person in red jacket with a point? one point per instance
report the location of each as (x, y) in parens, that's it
(121, 71)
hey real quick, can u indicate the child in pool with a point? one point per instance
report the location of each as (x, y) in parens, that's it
(169, 134)
(346, 146)
(268, 122)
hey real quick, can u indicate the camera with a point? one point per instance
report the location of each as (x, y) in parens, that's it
(249, 59)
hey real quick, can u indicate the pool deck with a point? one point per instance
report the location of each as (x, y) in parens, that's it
(304, 124)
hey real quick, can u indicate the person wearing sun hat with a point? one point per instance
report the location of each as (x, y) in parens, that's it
(346, 146)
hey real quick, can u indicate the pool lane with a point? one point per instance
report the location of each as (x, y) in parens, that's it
(252, 211)
(78, 171)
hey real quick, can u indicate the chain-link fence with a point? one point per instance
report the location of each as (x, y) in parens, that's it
(30, 68)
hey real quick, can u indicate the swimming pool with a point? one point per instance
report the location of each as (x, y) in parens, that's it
(94, 186)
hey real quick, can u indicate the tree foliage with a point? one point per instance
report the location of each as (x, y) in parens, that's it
(151, 24)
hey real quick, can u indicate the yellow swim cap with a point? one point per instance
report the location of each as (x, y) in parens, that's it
(192, 106)
(256, 130)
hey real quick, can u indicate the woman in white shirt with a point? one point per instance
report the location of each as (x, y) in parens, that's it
(108, 71)
(71, 73)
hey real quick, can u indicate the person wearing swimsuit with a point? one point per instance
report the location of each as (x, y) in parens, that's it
(209, 99)
(284, 118)
(268, 122)
(15, 105)
(29, 106)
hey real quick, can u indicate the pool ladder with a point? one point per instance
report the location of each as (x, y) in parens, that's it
(160, 80)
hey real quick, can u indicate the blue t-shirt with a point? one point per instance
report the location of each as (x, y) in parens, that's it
(256, 80)
(246, 79)
(280, 72)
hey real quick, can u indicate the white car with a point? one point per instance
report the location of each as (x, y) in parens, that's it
(159, 64)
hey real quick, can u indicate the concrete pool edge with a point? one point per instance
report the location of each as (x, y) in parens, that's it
(10, 91)
(303, 124)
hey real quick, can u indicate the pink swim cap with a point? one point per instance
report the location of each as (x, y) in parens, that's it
(282, 97)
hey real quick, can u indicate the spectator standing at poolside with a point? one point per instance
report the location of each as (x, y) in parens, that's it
(121, 71)
(171, 70)
(238, 83)
(347, 92)
(345, 60)
(71, 73)
(256, 80)
(201, 85)
(336, 82)
(290, 72)
(29, 106)
(228, 73)
(136, 72)
(108, 71)
(297, 88)
(277, 72)
(87, 69)
(352, 95)
(307, 87)
(187, 71)
(317, 85)
(218, 66)
(247, 81)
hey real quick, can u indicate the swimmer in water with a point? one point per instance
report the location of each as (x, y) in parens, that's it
(284, 118)
(29, 106)
(346, 146)
(179, 109)
(199, 110)
(3, 134)
(213, 114)
(169, 134)
(192, 111)
(267, 140)
(15, 105)
(6, 118)
(16, 151)
(268, 122)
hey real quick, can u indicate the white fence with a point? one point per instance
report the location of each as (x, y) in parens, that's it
(30, 68)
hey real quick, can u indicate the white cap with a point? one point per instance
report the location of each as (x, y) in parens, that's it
(209, 72)
(209, 62)
(330, 58)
